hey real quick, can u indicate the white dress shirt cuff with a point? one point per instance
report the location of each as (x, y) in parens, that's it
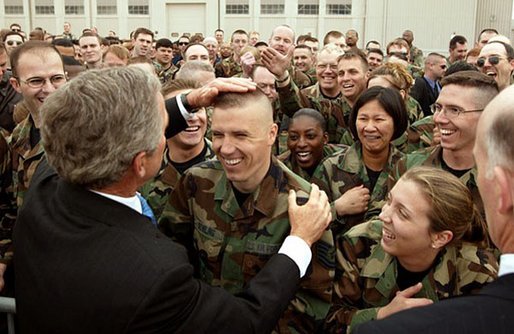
(185, 113)
(506, 264)
(298, 251)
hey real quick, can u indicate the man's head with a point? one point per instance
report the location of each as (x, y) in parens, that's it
(435, 66)
(254, 38)
(212, 46)
(3, 60)
(463, 97)
(12, 40)
(494, 156)
(219, 34)
(183, 42)
(192, 138)
(373, 44)
(37, 72)
(67, 27)
(303, 58)
(164, 51)
(496, 59)
(458, 48)
(408, 35)
(352, 69)
(243, 134)
(351, 37)
(265, 81)
(326, 69)
(116, 55)
(15, 27)
(398, 50)
(238, 41)
(225, 50)
(485, 35)
(196, 71)
(313, 43)
(90, 49)
(335, 37)
(375, 57)
(282, 38)
(142, 41)
(196, 52)
(84, 109)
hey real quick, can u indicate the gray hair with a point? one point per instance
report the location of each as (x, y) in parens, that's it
(94, 125)
(191, 69)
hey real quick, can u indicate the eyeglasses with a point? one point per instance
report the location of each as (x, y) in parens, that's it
(451, 112)
(38, 82)
(11, 42)
(493, 60)
(183, 43)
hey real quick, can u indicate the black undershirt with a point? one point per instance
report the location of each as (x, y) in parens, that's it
(373, 178)
(181, 167)
(457, 172)
(330, 97)
(240, 197)
(35, 136)
(407, 278)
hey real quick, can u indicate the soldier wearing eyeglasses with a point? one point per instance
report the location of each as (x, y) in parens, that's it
(457, 110)
(496, 60)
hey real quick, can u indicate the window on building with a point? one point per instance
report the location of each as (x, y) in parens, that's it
(13, 7)
(272, 6)
(45, 7)
(138, 7)
(308, 7)
(106, 7)
(339, 7)
(237, 7)
(74, 7)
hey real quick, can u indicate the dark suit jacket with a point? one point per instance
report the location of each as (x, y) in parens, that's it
(491, 311)
(424, 94)
(87, 264)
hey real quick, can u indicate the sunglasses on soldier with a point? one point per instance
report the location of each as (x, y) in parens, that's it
(493, 60)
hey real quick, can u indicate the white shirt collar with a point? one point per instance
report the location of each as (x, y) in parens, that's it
(132, 202)
(506, 264)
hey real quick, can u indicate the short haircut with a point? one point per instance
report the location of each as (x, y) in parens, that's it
(457, 39)
(392, 102)
(178, 84)
(91, 34)
(459, 66)
(487, 30)
(139, 60)
(144, 31)
(119, 51)
(14, 25)
(486, 86)
(193, 44)
(303, 46)
(238, 32)
(333, 34)
(354, 54)
(191, 69)
(311, 39)
(375, 50)
(331, 48)
(374, 41)
(398, 42)
(40, 48)
(163, 43)
(430, 57)
(261, 43)
(508, 48)
(37, 35)
(239, 100)
(254, 69)
(283, 26)
(312, 113)
(219, 29)
(115, 132)
(13, 33)
(300, 39)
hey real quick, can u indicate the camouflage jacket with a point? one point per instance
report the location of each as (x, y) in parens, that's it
(165, 74)
(420, 134)
(413, 109)
(230, 244)
(346, 170)
(416, 57)
(25, 158)
(227, 68)
(366, 276)
(335, 111)
(311, 73)
(433, 156)
(291, 163)
(156, 191)
(7, 200)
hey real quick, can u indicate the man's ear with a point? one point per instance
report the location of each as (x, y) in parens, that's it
(504, 186)
(273, 133)
(139, 164)
(15, 84)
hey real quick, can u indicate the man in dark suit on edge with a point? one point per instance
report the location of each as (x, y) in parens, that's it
(491, 311)
(88, 258)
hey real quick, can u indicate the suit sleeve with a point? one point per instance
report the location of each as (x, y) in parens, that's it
(177, 122)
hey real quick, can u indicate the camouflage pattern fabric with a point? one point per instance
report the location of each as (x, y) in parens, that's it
(433, 156)
(415, 71)
(157, 191)
(227, 68)
(335, 111)
(311, 73)
(7, 200)
(416, 57)
(421, 134)
(230, 244)
(165, 74)
(290, 162)
(346, 170)
(414, 110)
(366, 276)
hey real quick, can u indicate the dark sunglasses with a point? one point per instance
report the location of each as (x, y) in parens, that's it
(401, 55)
(11, 43)
(183, 43)
(493, 60)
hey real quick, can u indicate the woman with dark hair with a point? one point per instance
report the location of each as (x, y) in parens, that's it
(428, 244)
(307, 143)
(355, 180)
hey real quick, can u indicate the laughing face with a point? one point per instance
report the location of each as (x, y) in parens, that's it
(242, 138)
(457, 133)
(375, 128)
(406, 227)
(351, 78)
(326, 73)
(305, 140)
(500, 71)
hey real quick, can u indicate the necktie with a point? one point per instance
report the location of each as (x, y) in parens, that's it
(147, 211)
